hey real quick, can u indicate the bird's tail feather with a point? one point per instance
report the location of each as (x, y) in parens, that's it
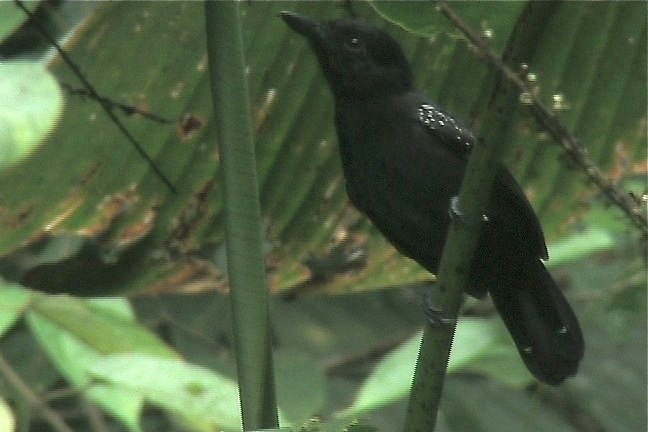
(541, 322)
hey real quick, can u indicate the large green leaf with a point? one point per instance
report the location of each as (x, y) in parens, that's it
(87, 182)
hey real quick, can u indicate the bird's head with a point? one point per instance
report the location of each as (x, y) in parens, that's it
(358, 60)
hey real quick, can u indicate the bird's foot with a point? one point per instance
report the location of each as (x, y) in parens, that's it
(457, 214)
(434, 314)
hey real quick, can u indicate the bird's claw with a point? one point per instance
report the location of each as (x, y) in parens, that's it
(457, 214)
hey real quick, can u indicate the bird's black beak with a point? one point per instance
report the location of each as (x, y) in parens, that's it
(309, 28)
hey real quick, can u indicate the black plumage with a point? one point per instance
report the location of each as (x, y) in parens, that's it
(404, 159)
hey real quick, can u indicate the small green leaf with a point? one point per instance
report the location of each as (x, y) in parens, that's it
(124, 405)
(483, 345)
(301, 386)
(13, 301)
(77, 333)
(422, 18)
(193, 392)
(103, 325)
(581, 245)
(74, 358)
(7, 421)
(390, 380)
(479, 345)
(31, 102)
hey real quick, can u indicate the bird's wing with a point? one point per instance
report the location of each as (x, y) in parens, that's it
(509, 207)
(446, 129)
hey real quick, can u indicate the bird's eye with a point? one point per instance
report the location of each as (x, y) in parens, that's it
(354, 45)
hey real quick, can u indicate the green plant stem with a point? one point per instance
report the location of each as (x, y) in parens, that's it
(483, 164)
(427, 386)
(243, 235)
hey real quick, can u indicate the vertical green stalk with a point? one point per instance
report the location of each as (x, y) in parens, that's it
(249, 294)
(434, 352)
(427, 387)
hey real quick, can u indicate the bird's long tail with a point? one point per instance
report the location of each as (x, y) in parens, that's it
(541, 322)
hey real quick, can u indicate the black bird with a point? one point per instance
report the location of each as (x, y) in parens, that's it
(404, 159)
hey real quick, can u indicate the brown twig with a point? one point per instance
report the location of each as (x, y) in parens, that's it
(570, 144)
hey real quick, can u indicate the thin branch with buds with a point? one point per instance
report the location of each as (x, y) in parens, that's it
(573, 148)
